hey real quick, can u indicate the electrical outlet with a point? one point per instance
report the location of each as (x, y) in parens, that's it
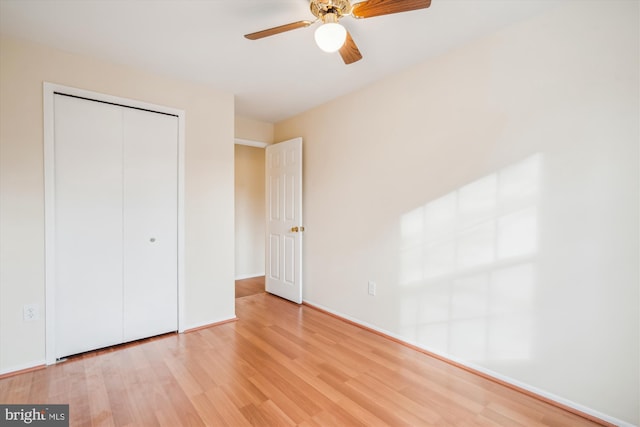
(372, 288)
(31, 312)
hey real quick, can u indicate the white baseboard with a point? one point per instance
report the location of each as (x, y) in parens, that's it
(23, 367)
(485, 371)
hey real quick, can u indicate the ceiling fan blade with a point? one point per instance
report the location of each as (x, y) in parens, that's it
(277, 30)
(371, 8)
(349, 51)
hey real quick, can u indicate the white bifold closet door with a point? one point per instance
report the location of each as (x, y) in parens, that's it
(115, 224)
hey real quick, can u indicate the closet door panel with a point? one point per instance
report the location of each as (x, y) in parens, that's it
(150, 223)
(88, 225)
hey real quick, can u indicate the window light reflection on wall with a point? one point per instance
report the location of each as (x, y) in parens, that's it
(468, 267)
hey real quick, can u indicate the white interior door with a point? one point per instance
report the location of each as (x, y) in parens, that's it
(150, 227)
(284, 227)
(116, 224)
(88, 225)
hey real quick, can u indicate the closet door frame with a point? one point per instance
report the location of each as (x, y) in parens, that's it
(49, 90)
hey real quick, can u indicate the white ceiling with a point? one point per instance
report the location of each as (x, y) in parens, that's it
(272, 78)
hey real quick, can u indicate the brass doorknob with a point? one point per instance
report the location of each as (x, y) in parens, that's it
(294, 229)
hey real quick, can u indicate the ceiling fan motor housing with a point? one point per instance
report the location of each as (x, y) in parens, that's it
(339, 8)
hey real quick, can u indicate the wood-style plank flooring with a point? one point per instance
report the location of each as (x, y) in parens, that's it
(252, 286)
(280, 364)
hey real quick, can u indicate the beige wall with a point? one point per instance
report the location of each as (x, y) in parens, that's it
(208, 186)
(250, 211)
(253, 130)
(492, 194)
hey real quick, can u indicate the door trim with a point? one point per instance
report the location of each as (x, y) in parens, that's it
(49, 90)
(250, 143)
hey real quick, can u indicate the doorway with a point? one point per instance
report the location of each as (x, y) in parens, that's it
(268, 215)
(249, 209)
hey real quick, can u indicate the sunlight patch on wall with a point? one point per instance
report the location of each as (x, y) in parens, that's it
(468, 267)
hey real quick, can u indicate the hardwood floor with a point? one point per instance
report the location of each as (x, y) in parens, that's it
(280, 364)
(251, 286)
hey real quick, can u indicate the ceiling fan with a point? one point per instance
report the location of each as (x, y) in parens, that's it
(331, 36)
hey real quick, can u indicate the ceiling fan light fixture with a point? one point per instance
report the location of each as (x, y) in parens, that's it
(330, 36)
